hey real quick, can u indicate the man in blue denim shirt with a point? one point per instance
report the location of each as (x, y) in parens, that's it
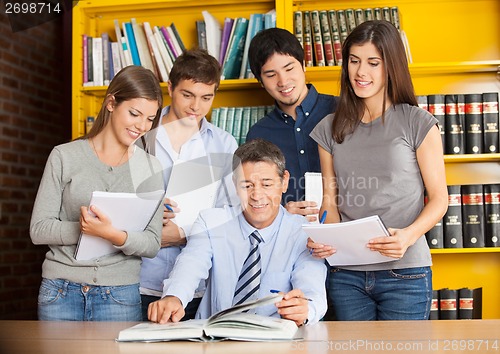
(277, 61)
(219, 244)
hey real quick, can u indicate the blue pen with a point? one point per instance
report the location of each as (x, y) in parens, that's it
(323, 217)
(169, 208)
(299, 297)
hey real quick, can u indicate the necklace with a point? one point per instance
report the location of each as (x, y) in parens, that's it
(119, 161)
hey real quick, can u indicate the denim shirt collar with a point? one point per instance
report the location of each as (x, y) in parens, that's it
(307, 104)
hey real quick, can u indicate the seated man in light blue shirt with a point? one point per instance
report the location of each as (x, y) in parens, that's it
(185, 135)
(219, 244)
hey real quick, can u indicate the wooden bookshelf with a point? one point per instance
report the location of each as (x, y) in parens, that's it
(455, 46)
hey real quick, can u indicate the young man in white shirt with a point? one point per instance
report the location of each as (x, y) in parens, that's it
(184, 135)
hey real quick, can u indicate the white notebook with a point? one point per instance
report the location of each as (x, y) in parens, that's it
(193, 185)
(127, 211)
(314, 189)
(349, 239)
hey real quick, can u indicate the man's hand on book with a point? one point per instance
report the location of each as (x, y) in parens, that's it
(294, 307)
(168, 309)
(305, 208)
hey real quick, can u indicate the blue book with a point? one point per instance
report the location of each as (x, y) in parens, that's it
(234, 56)
(129, 34)
(255, 25)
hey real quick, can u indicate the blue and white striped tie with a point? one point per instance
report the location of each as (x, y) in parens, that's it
(248, 284)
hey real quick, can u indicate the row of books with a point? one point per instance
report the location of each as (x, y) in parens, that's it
(468, 122)
(457, 304)
(157, 47)
(229, 42)
(323, 32)
(154, 47)
(238, 120)
(472, 218)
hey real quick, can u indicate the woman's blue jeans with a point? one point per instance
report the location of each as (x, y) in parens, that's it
(396, 294)
(62, 300)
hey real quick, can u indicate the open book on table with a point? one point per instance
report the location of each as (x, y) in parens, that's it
(349, 239)
(127, 211)
(231, 323)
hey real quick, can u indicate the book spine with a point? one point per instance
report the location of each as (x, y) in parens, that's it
(359, 16)
(146, 55)
(437, 109)
(122, 44)
(422, 102)
(308, 50)
(334, 29)
(319, 54)
(132, 44)
(492, 214)
(257, 26)
(490, 122)
(90, 61)
(453, 129)
(327, 38)
(105, 57)
(85, 55)
(350, 20)
(452, 219)
(214, 117)
(201, 34)
(173, 38)
(342, 25)
(97, 61)
(170, 43)
(222, 117)
(369, 14)
(238, 116)
(448, 304)
(434, 312)
(245, 124)
(465, 304)
(225, 38)
(470, 303)
(395, 17)
(386, 14)
(377, 13)
(162, 69)
(229, 120)
(115, 54)
(232, 63)
(473, 123)
(473, 215)
(435, 236)
(162, 46)
(298, 24)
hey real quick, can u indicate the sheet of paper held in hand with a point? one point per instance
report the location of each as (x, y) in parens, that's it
(350, 239)
(193, 186)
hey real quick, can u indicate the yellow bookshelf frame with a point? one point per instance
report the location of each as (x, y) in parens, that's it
(455, 45)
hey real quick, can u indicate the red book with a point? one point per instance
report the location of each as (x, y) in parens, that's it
(308, 51)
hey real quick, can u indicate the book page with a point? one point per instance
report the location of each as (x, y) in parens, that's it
(127, 211)
(251, 327)
(193, 185)
(268, 300)
(155, 332)
(350, 239)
